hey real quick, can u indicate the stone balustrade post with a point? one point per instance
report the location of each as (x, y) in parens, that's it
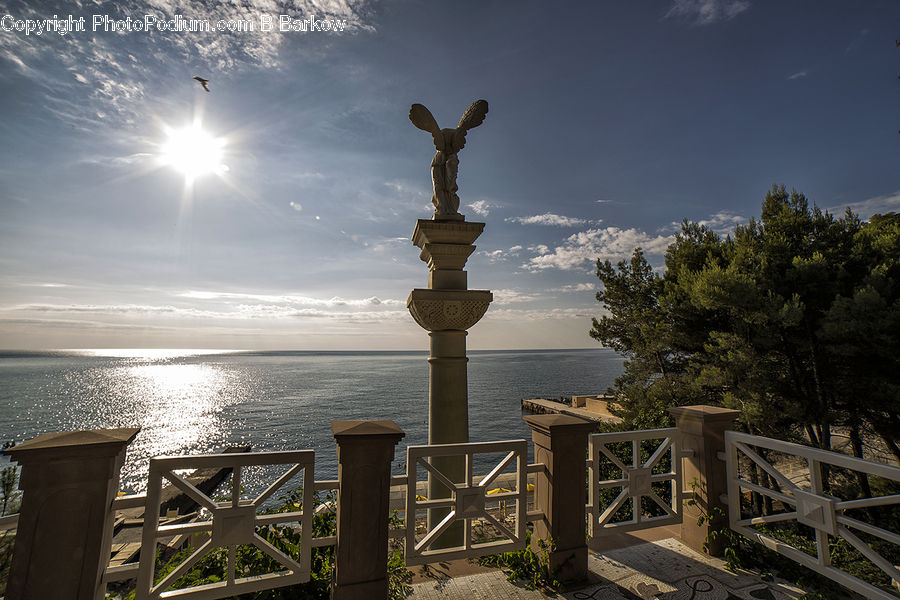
(365, 450)
(705, 481)
(560, 492)
(69, 481)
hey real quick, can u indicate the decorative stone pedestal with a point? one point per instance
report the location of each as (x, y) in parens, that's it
(365, 451)
(703, 440)
(68, 483)
(446, 310)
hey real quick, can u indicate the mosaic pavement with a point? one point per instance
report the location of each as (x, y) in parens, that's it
(663, 570)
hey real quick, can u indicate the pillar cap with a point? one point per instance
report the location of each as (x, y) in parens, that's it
(71, 444)
(445, 232)
(554, 424)
(367, 429)
(704, 412)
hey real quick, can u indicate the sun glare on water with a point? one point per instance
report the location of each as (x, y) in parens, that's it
(193, 152)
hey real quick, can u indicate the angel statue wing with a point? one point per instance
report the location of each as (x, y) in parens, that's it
(473, 117)
(423, 119)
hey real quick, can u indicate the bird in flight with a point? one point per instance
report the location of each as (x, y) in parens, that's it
(203, 82)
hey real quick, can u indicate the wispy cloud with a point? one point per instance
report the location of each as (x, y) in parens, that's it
(483, 208)
(549, 219)
(611, 243)
(509, 296)
(707, 12)
(290, 299)
(217, 306)
(501, 254)
(723, 222)
(103, 64)
(521, 315)
(577, 287)
(798, 75)
(870, 206)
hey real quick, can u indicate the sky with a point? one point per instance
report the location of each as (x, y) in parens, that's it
(609, 123)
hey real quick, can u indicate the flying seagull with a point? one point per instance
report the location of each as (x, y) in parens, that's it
(203, 82)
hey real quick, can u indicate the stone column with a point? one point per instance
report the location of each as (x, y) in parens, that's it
(446, 310)
(365, 451)
(68, 483)
(703, 442)
(560, 491)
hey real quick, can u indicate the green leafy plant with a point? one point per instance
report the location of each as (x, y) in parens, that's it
(529, 566)
(740, 552)
(399, 577)
(9, 504)
(252, 561)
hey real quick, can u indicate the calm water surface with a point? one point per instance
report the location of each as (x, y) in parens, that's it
(194, 402)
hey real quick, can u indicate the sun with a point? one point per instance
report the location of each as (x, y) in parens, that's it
(193, 152)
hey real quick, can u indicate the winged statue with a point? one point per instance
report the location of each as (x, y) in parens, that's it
(445, 165)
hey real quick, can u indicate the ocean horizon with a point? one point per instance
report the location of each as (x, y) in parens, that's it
(192, 401)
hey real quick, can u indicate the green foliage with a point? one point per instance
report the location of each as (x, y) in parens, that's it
(252, 561)
(794, 320)
(529, 566)
(9, 490)
(742, 553)
(399, 577)
(9, 504)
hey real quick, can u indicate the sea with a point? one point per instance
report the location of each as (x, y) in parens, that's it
(202, 401)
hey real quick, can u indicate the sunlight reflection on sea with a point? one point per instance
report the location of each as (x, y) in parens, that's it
(193, 402)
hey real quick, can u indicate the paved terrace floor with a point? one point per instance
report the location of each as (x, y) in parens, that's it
(658, 570)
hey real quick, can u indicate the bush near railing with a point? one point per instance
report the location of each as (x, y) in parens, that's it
(527, 565)
(252, 561)
(10, 499)
(744, 553)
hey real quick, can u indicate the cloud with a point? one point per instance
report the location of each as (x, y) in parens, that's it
(798, 75)
(483, 208)
(611, 243)
(707, 12)
(867, 208)
(500, 254)
(520, 315)
(508, 296)
(549, 219)
(290, 299)
(578, 287)
(104, 64)
(723, 222)
(219, 306)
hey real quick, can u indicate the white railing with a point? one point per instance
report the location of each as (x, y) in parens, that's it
(466, 501)
(233, 523)
(636, 481)
(825, 514)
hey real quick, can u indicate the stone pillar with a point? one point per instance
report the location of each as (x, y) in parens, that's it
(705, 481)
(68, 483)
(365, 450)
(446, 310)
(560, 492)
